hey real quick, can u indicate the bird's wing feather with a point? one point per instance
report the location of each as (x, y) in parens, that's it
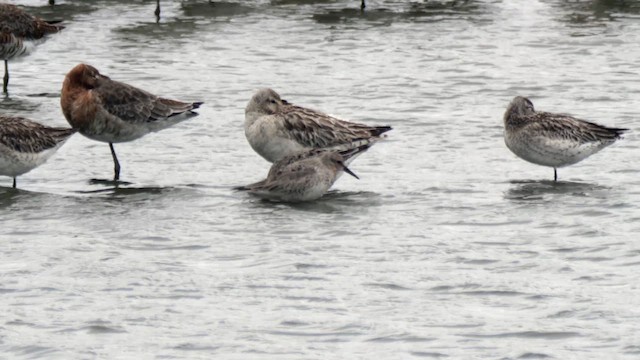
(566, 127)
(287, 178)
(27, 136)
(315, 129)
(135, 105)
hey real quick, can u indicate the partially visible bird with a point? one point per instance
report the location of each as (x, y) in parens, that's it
(305, 176)
(25, 144)
(19, 34)
(110, 111)
(553, 140)
(276, 128)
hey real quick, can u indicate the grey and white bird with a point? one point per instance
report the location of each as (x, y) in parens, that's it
(276, 128)
(26, 144)
(305, 176)
(553, 140)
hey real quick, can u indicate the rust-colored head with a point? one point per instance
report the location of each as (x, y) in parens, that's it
(82, 75)
(77, 101)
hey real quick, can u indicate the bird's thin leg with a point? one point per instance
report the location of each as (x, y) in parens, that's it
(14, 182)
(52, 2)
(6, 76)
(362, 5)
(555, 175)
(116, 164)
(157, 12)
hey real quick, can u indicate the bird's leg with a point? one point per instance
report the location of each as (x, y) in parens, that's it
(14, 182)
(6, 76)
(52, 2)
(362, 5)
(157, 12)
(116, 164)
(555, 175)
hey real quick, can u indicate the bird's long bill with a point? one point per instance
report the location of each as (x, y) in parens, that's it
(346, 169)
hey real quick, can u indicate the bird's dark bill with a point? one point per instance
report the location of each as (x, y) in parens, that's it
(346, 169)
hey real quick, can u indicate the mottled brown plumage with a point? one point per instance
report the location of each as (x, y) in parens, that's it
(276, 128)
(302, 124)
(24, 135)
(19, 33)
(18, 22)
(304, 176)
(25, 144)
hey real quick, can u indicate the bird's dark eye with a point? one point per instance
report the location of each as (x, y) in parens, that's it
(272, 101)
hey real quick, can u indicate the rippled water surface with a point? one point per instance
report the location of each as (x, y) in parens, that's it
(448, 247)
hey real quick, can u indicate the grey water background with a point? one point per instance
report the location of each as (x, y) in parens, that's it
(448, 247)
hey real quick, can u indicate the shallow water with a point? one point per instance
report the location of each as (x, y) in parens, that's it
(448, 247)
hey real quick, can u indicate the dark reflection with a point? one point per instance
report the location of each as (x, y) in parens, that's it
(131, 194)
(22, 197)
(180, 27)
(416, 11)
(588, 12)
(301, 2)
(210, 9)
(532, 190)
(344, 15)
(350, 197)
(44, 95)
(126, 191)
(123, 189)
(443, 8)
(63, 11)
(9, 195)
(177, 28)
(18, 106)
(109, 182)
(334, 201)
(120, 190)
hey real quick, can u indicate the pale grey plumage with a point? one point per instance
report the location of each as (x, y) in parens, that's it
(276, 129)
(304, 176)
(554, 140)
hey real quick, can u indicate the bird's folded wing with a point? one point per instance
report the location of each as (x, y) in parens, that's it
(315, 129)
(136, 105)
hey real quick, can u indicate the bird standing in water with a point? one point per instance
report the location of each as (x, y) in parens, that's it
(110, 111)
(26, 144)
(554, 140)
(19, 34)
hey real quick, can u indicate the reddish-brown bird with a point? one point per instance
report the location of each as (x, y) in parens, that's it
(19, 34)
(110, 111)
